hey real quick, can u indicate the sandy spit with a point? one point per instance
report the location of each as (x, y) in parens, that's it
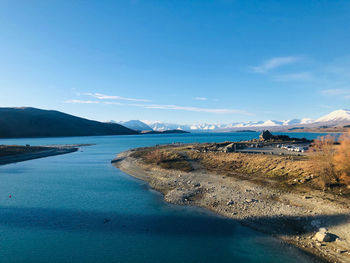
(35, 155)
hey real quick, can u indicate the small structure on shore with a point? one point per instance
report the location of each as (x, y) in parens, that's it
(265, 135)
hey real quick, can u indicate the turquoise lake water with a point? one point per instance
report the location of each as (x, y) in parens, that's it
(79, 208)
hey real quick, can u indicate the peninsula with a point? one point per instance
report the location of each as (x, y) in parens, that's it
(268, 191)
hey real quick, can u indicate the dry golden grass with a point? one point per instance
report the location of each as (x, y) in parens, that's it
(283, 168)
(327, 165)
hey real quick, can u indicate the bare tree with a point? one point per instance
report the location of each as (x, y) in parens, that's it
(322, 157)
(342, 158)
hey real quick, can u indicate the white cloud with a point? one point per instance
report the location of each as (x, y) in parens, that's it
(300, 76)
(345, 93)
(109, 97)
(114, 103)
(274, 63)
(82, 101)
(200, 98)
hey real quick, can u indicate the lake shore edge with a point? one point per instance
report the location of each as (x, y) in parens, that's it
(288, 216)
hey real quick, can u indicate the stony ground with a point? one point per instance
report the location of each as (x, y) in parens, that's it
(294, 217)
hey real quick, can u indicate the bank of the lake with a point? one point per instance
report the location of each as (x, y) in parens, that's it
(294, 216)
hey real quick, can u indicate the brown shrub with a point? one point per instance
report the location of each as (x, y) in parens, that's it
(321, 154)
(342, 158)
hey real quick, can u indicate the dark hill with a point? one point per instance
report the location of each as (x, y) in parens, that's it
(32, 122)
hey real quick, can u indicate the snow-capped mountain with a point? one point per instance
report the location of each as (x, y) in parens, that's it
(162, 126)
(207, 127)
(307, 121)
(274, 123)
(136, 125)
(268, 123)
(336, 116)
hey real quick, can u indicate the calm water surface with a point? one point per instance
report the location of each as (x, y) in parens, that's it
(79, 208)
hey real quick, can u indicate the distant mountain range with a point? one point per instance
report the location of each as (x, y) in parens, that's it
(334, 118)
(32, 122)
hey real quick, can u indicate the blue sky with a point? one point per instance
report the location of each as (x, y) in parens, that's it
(176, 61)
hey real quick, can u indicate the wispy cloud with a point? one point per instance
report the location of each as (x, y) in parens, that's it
(82, 101)
(299, 76)
(195, 109)
(274, 63)
(103, 99)
(185, 108)
(344, 93)
(200, 98)
(109, 97)
(164, 107)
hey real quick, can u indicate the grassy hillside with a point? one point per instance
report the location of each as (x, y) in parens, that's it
(32, 122)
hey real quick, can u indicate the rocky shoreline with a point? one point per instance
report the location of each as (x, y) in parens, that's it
(313, 221)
